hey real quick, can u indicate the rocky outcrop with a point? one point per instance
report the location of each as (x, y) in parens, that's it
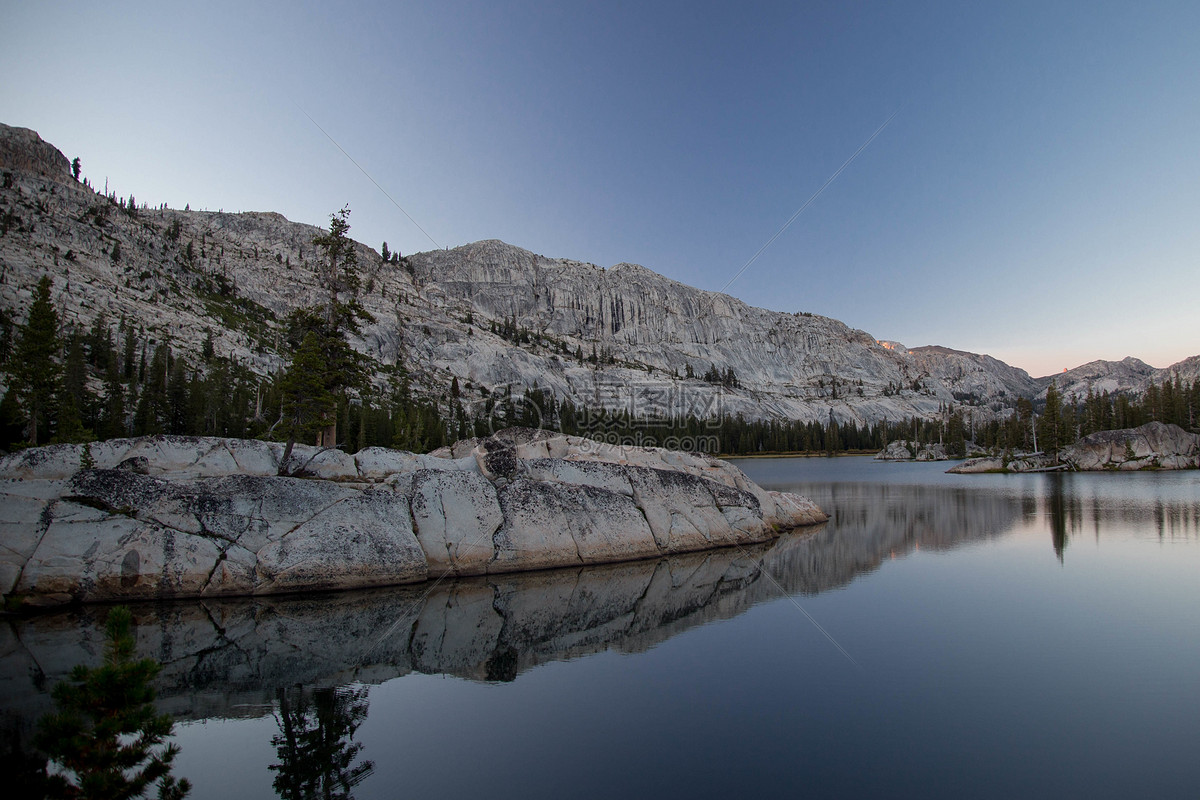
(903, 450)
(188, 516)
(1154, 445)
(21, 149)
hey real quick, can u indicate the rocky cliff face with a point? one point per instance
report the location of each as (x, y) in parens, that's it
(789, 365)
(1128, 376)
(24, 151)
(435, 312)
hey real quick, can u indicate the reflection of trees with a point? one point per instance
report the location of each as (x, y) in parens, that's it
(1065, 510)
(1058, 515)
(315, 743)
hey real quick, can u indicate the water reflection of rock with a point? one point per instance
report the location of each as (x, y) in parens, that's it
(230, 657)
(873, 522)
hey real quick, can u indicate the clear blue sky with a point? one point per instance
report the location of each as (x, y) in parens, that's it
(1036, 198)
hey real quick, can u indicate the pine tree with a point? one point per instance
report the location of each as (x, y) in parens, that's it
(338, 267)
(35, 369)
(112, 414)
(105, 739)
(340, 368)
(177, 411)
(99, 343)
(74, 401)
(308, 404)
(1050, 426)
(7, 329)
(76, 167)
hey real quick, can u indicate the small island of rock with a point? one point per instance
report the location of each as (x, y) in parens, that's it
(1155, 445)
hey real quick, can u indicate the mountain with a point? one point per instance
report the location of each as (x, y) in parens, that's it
(492, 316)
(1129, 375)
(972, 377)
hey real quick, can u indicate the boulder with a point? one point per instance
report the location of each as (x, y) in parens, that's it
(322, 463)
(173, 516)
(1154, 445)
(977, 465)
(903, 450)
(454, 514)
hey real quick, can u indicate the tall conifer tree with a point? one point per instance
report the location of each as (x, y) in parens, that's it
(36, 371)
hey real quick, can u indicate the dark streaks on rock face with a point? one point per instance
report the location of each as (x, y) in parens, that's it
(129, 569)
(116, 490)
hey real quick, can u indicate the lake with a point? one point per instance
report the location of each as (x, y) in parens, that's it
(941, 636)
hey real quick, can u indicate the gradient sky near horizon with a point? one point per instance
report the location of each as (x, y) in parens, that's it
(1036, 197)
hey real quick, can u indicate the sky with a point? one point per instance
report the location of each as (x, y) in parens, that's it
(1035, 195)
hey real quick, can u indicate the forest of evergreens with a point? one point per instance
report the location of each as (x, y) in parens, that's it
(108, 381)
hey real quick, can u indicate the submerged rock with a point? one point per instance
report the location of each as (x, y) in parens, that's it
(177, 516)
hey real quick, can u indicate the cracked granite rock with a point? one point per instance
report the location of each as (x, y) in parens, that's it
(203, 517)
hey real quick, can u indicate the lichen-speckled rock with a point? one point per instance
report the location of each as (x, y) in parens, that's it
(117, 534)
(174, 516)
(1154, 445)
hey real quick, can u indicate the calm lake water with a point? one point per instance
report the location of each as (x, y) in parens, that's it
(941, 636)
